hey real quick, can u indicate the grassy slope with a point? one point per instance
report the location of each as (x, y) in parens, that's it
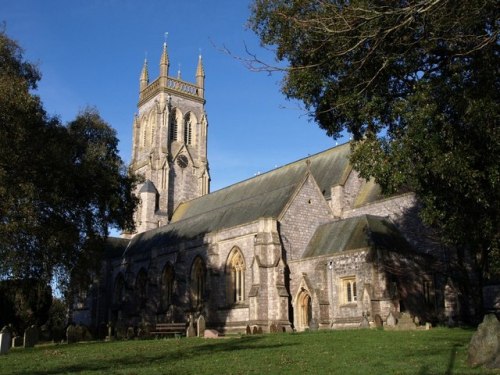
(439, 351)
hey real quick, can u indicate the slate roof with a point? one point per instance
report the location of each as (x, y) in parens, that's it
(355, 233)
(148, 187)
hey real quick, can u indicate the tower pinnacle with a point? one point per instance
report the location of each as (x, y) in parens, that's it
(144, 80)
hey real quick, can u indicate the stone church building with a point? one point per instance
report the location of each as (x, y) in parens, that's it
(308, 244)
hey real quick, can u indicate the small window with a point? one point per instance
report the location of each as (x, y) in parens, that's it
(349, 291)
(173, 127)
(187, 131)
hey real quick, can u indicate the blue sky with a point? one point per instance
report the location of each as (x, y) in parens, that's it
(90, 52)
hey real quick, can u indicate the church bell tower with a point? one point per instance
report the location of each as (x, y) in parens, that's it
(169, 143)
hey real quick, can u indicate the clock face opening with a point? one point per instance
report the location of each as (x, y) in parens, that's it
(182, 161)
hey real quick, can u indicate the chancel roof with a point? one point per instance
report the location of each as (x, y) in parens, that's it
(365, 231)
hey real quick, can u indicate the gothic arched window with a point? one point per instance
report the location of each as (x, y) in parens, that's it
(198, 281)
(236, 277)
(167, 286)
(188, 131)
(174, 126)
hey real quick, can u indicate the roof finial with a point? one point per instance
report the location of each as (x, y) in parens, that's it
(165, 37)
(179, 72)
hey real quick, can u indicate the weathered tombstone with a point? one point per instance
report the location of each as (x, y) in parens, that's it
(30, 337)
(391, 320)
(379, 323)
(190, 331)
(364, 322)
(5, 335)
(109, 337)
(484, 347)
(71, 334)
(313, 325)
(200, 326)
(248, 330)
(428, 326)
(405, 322)
(17, 341)
(211, 334)
(255, 330)
(416, 321)
(259, 330)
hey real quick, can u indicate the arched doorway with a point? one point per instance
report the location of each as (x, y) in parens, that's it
(304, 307)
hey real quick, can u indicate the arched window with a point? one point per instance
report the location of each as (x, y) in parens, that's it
(188, 130)
(152, 127)
(236, 277)
(350, 294)
(167, 286)
(174, 127)
(119, 288)
(198, 281)
(141, 283)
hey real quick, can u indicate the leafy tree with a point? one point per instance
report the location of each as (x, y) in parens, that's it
(61, 187)
(417, 85)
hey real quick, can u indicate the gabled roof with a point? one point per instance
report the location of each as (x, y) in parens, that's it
(263, 196)
(358, 232)
(148, 187)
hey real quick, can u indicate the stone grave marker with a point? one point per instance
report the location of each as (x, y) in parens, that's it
(255, 330)
(71, 334)
(200, 326)
(17, 341)
(364, 322)
(190, 331)
(379, 323)
(484, 347)
(30, 337)
(259, 330)
(391, 320)
(273, 328)
(248, 330)
(5, 335)
(313, 325)
(406, 322)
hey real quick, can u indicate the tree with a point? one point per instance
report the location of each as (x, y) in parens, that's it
(417, 85)
(61, 187)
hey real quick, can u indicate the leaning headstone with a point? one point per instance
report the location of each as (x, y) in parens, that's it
(391, 320)
(5, 335)
(17, 341)
(190, 331)
(71, 334)
(484, 347)
(379, 323)
(255, 330)
(248, 330)
(200, 326)
(30, 337)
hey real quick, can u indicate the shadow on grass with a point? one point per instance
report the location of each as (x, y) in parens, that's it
(118, 362)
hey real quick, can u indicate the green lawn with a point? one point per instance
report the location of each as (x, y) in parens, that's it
(438, 351)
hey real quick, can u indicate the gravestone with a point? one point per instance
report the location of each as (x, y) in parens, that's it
(379, 323)
(313, 325)
(405, 322)
(30, 337)
(130, 333)
(71, 334)
(484, 347)
(17, 341)
(391, 320)
(259, 330)
(364, 322)
(200, 326)
(211, 334)
(5, 335)
(255, 330)
(190, 331)
(248, 330)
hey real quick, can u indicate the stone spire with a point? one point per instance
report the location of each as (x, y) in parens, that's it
(200, 77)
(144, 81)
(164, 62)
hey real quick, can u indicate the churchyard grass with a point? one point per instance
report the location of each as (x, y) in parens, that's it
(437, 351)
